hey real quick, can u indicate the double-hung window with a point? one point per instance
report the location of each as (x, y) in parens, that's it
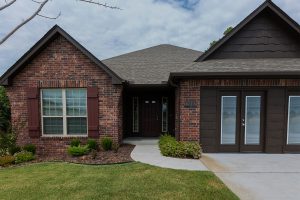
(64, 112)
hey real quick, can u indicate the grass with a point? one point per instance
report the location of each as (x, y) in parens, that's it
(123, 181)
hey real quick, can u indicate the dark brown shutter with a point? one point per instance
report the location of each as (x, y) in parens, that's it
(93, 112)
(33, 112)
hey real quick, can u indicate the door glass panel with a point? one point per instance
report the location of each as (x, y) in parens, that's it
(294, 120)
(228, 119)
(252, 119)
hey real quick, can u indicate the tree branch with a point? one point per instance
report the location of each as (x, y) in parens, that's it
(7, 4)
(42, 4)
(101, 4)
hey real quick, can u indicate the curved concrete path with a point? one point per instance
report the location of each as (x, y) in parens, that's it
(147, 151)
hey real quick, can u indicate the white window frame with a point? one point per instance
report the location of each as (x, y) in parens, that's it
(288, 121)
(64, 116)
(162, 115)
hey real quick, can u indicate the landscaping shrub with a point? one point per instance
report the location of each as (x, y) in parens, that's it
(92, 144)
(4, 111)
(106, 143)
(78, 150)
(170, 147)
(7, 141)
(75, 143)
(115, 147)
(23, 156)
(14, 149)
(30, 148)
(6, 160)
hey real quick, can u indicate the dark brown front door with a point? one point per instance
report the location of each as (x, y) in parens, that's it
(241, 121)
(151, 117)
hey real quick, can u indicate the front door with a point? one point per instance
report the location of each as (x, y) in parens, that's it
(151, 117)
(241, 121)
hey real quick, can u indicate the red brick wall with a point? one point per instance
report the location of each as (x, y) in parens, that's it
(188, 94)
(62, 65)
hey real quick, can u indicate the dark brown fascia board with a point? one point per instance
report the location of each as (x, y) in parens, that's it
(231, 75)
(49, 36)
(266, 4)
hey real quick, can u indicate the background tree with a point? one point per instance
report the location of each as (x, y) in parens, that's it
(4, 111)
(41, 5)
(228, 30)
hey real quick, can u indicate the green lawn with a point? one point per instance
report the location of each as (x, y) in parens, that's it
(124, 181)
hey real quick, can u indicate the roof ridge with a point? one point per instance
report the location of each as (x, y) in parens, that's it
(151, 47)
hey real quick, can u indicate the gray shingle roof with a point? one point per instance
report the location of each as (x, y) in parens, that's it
(152, 65)
(245, 65)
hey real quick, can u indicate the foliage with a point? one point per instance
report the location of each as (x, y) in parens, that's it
(122, 181)
(78, 150)
(228, 30)
(30, 148)
(94, 154)
(4, 111)
(92, 144)
(170, 147)
(7, 142)
(6, 160)
(115, 147)
(106, 143)
(14, 149)
(23, 156)
(75, 142)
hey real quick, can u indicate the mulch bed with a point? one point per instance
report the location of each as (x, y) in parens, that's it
(122, 155)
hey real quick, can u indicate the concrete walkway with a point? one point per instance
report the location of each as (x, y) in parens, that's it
(258, 176)
(147, 151)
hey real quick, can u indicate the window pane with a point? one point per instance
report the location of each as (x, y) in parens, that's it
(77, 126)
(294, 120)
(252, 120)
(76, 102)
(135, 107)
(53, 125)
(52, 102)
(164, 114)
(228, 119)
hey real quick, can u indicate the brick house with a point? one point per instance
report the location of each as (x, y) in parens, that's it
(241, 95)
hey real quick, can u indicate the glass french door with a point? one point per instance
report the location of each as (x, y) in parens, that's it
(241, 121)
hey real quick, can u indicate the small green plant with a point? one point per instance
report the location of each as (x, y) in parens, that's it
(14, 149)
(106, 143)
(30, 148)
(23, 156)
(78, 150)
(169, 146)
(92, 144)
(75, 142)
(6, 160)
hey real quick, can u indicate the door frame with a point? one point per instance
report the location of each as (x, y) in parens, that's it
(241, 94)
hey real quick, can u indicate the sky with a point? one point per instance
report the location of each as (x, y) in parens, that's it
(139, 24)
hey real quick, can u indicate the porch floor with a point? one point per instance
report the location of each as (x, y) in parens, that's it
(147, 151)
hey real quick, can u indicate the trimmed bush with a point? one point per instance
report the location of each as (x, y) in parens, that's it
(92, 144)
(30, 148)
(106, 143)
(23, 156)
(75, 143)
(169, 146)
(78, 150)
(7, 160)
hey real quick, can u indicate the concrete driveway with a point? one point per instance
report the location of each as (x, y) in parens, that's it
(258, 176)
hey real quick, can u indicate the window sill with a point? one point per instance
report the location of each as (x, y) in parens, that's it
(64, 136)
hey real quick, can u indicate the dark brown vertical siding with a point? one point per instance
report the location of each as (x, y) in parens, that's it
(275, 120)
(208, 120)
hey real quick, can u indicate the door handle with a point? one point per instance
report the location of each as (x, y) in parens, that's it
(243, 124)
